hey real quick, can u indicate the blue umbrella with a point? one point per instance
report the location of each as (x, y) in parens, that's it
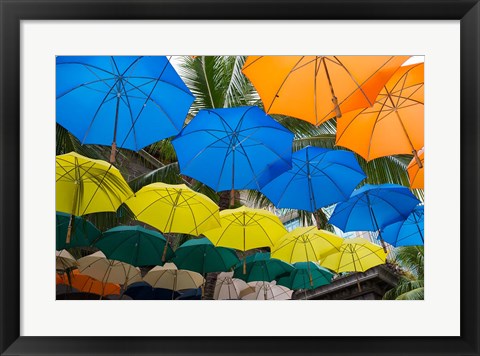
(129, 102)
(144, 291)
(319, 177)
(234, 148)
(373, 207)
(408, 232)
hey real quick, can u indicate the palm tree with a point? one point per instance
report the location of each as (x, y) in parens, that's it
(411, 283)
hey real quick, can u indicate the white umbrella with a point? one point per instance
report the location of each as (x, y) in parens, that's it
(227, 287)
(64, 260)
(99, 267)
(267, 291)
(170, 277)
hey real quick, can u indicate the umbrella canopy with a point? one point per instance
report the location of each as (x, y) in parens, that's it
(306, 275)
(415, 172)
(319, 177)
(144, 291)
(408, 232)
(99, 267)
(227, 287)
(202, 256)
(260, 267)
(134, 245)
(233, 148)
(174, 208)
(305, 244)
(85, 186)
(394, 124)
(317, 88)
(170, 277)
(129, 102)
(64, 260)
(246, 228)
(267, 291)
(373, 207)
(355, 255)
(87, 284)
(83, 232)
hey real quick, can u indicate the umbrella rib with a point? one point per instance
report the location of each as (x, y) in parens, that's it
(85, 85)
(283, 82)
(373, 129)
(103, 101)
(359, 87)
(366, 80)
(148, 97)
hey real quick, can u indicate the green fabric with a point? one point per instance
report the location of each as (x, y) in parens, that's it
(134, 245)
(260, 267)
(201, 255)
(299, 278)
(83, 232)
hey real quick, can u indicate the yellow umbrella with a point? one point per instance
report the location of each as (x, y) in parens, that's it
(355, 255)
(99, 267)
(85, 186)
(174, 208)
(306, 244)
(170, 277)
(246, 228)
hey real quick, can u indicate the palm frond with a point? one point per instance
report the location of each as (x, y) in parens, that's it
(169, 174)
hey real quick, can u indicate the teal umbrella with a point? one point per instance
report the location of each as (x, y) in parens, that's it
(134, 245)
(260, 267)
(306, 275)
(202, 256)
(83, 232)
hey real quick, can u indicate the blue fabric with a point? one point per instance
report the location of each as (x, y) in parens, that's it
(408, 232)
(153, 100)
(242, 146)
(143, 291)
(372, 207)
(319, 177)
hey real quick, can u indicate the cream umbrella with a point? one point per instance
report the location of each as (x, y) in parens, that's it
(64, 260)
(99, 267)
(266, 291)
(227, 287)
(170, 277)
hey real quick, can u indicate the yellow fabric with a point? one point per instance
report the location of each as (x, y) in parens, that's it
(299, 86)
(305, 244)
(245, 228)
(174, 208)
(85, 186)
(355, 255)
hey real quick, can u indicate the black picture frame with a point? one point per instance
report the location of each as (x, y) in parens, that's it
(13, 11)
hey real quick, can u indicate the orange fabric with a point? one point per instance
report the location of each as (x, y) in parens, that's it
(88, 284)
(299, 86)
(415, 173)
(387, 129)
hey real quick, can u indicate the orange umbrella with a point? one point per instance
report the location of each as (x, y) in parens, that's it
(317, 88)
(88, 284)
(415, 172)
(394, 125)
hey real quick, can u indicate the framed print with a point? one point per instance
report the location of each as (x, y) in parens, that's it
(239, 177)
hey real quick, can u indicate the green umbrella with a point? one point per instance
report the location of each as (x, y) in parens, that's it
(134, 245)
(83, 232)
(202, 256)
(260, 267)
(306, 275)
